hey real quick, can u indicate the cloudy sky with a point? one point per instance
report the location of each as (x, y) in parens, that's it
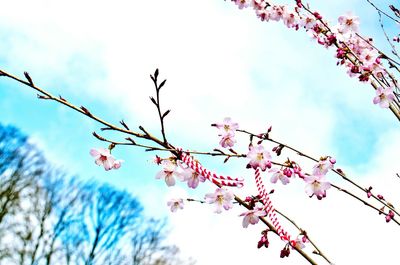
(219, 61)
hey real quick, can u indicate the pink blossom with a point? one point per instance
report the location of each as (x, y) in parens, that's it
(243, 3)
(264, 240)
(168, 172)
(117, 163)
(252, 217)
(277, 12)
(222, 198)
(307, 22)
(316, 185)
(259, 4)
(227, 126)
(104, 158)
(349, 23)
(259, 157)
(175, 204)
(384, 97)
(227, 140)
(389, 216)
(289, 19)
(279, 174)
(192, 177)
(299, 243)
(323, 166)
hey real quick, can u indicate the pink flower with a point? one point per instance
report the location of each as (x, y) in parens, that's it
(289, 19)
(279, 174)
(316, 185)
(227, 126)
(308, 22)
(117, 163)
(192, 177)
(227, 140)
(389, 216)
(104, 158)
(259, 157)
(222, 198)
(252, 217)
(349, 23)
(263, 241)
(323, 166)
(243, 3)
(277, 12)
(299, 243)
(175, 204)
(168, 172)
(384, 97)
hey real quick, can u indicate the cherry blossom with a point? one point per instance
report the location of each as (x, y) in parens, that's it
(384, 97)
(117, 163)
(252, 217)
(279, 174)
(263, 241)
(323, 166)
(104, 158)
(227, 140)
(175, 204)
(243, 3)
(259, 157)
(227, 126)
(300, 242)
(168, 172)
(349, 23)
(222, 198)
(316, 185)
(389, 216)
(192, 177)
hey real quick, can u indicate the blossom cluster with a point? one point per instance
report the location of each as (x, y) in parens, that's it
(227, 132)
(104, 158)
(353, 51)
(174, 169)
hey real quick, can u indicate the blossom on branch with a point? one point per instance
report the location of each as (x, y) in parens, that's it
(323, 166)
(192, 177)
(259, 157)
(348, 23)
(104, 158)
(227, 131)
(279, 174)
(175, 204)
(227, 140)
(227, 126)
(222, 198)
(384, 97)
(168, 172)
(252, 217)
(316, 185)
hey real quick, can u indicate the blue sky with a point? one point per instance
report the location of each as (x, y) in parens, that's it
(219, 61)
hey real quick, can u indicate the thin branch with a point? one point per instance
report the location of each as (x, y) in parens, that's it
(340, 173)
(382, 12)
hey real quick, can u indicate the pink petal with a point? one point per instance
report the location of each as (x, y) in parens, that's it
(94, 152)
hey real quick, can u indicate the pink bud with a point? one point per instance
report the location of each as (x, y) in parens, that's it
(380, 197)
(317, 15)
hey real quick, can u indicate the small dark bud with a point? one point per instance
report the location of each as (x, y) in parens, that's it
(85, 110)
(162, 84)
(28, 78)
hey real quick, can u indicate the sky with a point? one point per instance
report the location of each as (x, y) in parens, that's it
(219, 62)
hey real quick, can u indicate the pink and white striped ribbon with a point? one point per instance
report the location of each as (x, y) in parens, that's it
(269, 208)
(214, 178)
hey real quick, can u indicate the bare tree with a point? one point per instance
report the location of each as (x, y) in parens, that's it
(48, 217)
